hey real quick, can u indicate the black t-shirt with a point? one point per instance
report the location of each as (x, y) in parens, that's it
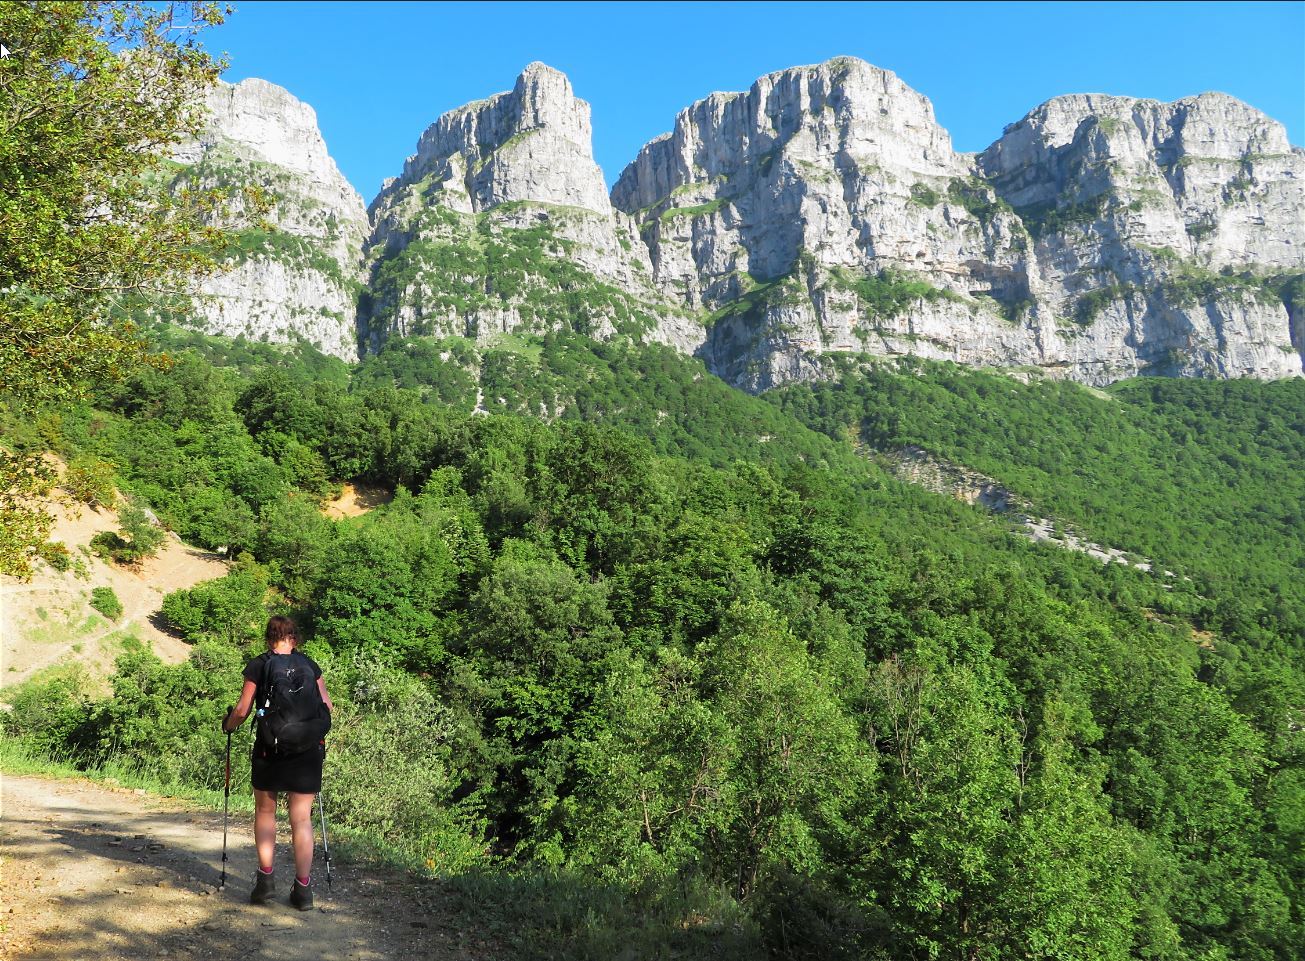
(254, 669)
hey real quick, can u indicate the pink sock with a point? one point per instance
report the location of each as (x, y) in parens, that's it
(263, 870)
(304, 882)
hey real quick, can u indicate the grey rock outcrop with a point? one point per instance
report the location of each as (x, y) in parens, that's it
(299, 277)
(1156, 226)
(501, 222)
(531, 144)
(825, 210)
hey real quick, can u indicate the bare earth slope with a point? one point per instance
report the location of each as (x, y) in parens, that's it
(49, 620)
(96, 873)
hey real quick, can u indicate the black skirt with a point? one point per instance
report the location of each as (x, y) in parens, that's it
(301, 773)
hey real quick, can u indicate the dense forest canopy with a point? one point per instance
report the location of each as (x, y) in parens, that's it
(640, 633)
(1203, 476)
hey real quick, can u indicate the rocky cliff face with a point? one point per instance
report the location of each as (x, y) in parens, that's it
(501, 222)
(1099, 238)
(1165, 231)
(823, 211)
(300, 276)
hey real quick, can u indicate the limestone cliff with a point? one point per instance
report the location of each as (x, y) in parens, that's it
(823, 211)
(301, 275)
(1164, 231)
(1099, 238)
(501, 222)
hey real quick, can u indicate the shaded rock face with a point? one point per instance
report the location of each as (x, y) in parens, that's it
(1094, 240)
(300, 277)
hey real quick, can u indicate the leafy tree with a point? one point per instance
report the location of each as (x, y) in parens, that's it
(950, 773)
(534, 648)
(652, 775)
(386, 588)
(232, 609)
(392, 767)
(90, 480)
(796, 766)
(91, 98)
(1069, 893)
(24, 526)
(294, 536)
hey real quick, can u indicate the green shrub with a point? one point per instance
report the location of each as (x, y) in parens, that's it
(163, 720)
(53, 714)
(700, 210)
(137, 539)
(925, 196)
(56, 555)
(230, 608)
(104, 600)
(391, 771)
(90, 480)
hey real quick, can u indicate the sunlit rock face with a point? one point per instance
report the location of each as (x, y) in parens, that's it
(500, 222)
(298, 275)
(821, 212)
(1098, 238)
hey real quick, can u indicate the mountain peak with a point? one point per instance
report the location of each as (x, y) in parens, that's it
(533, 143)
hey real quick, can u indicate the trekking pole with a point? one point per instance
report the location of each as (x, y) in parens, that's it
(326, 847)
(226, 806)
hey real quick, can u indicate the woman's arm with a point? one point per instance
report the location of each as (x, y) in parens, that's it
(326, 698)
(241, 710)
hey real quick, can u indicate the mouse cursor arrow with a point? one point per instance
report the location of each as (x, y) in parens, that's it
(4, 51)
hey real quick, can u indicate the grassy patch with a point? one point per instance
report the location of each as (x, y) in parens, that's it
(1047, 218)
(464, 265)
(18, 758)
(1088, 307)
(257, 243)
(759, 296)
(922, 195)
(561, 914)
(978, 197)
(889, 292)
(700, 210)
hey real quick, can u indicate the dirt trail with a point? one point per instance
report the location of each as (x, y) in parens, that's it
(96, 873)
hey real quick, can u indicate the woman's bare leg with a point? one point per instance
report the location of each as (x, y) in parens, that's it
(301, 831)
(265, 828)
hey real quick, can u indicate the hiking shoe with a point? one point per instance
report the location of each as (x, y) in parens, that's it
(264, 888)
(301, 896)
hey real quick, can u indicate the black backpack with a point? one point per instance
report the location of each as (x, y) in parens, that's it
(292, 717)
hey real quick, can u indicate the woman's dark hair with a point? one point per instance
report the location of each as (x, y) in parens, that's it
(279, 628)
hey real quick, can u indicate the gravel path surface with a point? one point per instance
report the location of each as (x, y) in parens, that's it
(90, 872)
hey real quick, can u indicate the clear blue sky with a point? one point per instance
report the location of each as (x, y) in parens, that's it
(379, 73)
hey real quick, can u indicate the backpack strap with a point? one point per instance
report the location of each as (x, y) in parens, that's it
(264, 691)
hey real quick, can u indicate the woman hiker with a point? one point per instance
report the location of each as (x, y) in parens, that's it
(293, 717)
